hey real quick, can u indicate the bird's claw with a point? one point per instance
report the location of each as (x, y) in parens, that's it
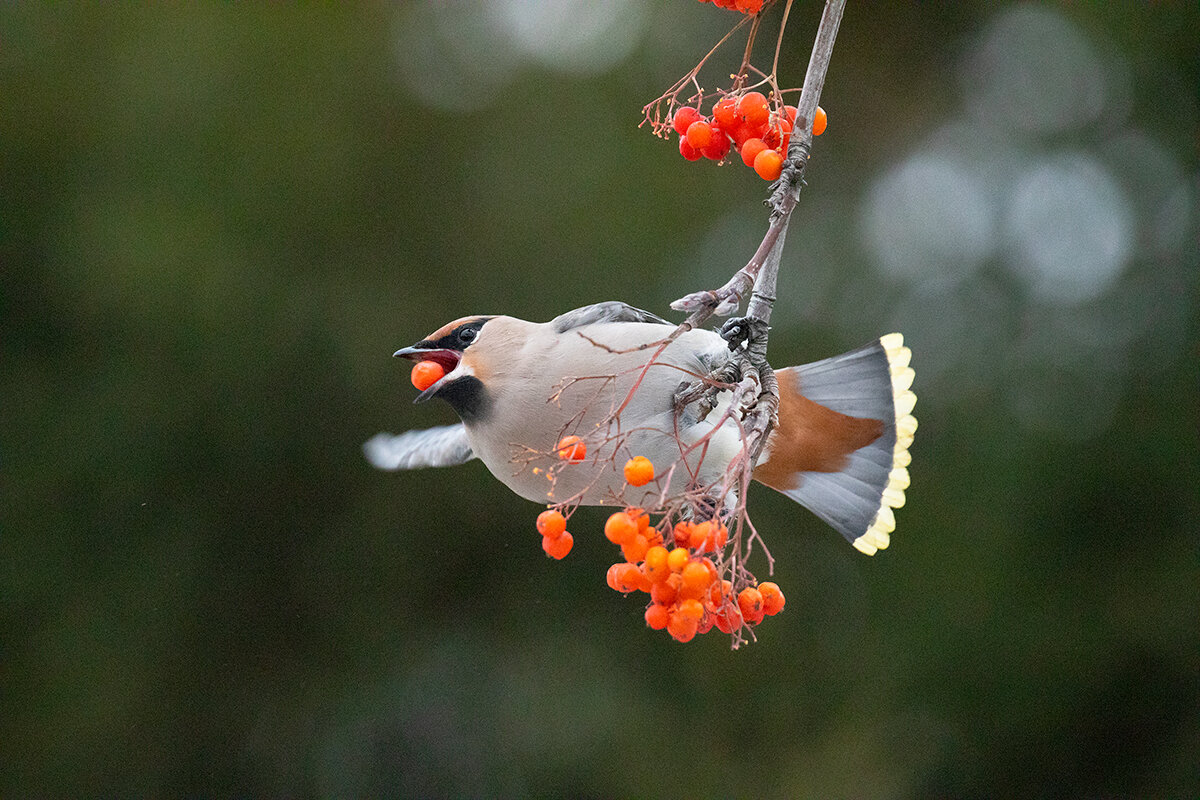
(744, 330)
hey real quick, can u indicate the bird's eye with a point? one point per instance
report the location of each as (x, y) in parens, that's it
(467, 335)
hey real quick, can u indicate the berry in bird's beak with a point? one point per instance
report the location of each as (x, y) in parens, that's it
(426, 374)
(426, 371)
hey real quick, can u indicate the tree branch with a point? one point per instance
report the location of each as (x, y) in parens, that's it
(760, 412)
(725, 300)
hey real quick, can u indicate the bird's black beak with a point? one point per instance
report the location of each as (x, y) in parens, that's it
(416, 352)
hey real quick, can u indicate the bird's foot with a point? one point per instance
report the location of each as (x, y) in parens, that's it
(750, 331)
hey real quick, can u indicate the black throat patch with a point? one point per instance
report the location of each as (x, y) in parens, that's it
(468, 397)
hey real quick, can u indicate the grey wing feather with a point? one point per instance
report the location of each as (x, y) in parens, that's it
(610, 311)
(434, 447)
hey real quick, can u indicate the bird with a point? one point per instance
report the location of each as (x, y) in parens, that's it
(611, 374)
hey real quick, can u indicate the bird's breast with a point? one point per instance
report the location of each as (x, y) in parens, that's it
(616, 390)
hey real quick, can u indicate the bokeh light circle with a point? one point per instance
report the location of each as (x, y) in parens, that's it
(928, 216)
(1034, 71)
(1069, 227)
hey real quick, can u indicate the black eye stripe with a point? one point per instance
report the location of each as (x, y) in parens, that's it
(457, 339)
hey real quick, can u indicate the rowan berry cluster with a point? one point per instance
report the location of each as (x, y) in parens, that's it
(743, 122)
(687, 595)
(673, 564)
(744, 6)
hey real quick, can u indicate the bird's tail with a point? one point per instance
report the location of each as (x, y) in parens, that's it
(841, 446)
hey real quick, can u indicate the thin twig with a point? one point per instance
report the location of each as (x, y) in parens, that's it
(779, 42)
(740, 78)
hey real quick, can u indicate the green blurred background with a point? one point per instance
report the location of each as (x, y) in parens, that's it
(217, 223)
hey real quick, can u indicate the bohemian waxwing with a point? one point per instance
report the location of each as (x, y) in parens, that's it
(840, 447)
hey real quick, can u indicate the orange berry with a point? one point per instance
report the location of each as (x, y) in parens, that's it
(665, 592)
(700, 534)
(743, 133)
(655, 564)
(571, 449)
(720, 592)
(706, 624)
(683, 534)
(635, 549)
(639, 516)
(725, 112)
(657, 616)
(696, 580)
(820, 121)
(720, 537)
(768, 164)
(620, 529)
(779, 135)
(638, 472)
(718, 148)
(750, 149)
(682, 629)
(790, 113)
(699, 134)
(715, 537)
(551, 524)
(754, 109)
(728, 619)
(678, 558)
(750, 603)
(684, 117)
(687, 151)
(559, 546)
(773, 600)
(627, 578)
(643, 583)
(690, 609)
(426, 374)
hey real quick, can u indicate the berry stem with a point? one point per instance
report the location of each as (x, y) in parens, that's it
(652, 111)
(740, 79)
(787, 8)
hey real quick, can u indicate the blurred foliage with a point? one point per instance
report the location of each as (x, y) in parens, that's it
(219, 221)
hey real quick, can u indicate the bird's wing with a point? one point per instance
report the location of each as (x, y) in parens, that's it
(610, 311)
(433, 447)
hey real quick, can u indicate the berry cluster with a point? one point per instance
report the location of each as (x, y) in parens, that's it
(744, 6)
(746, 123)
(551, 524)
(687, 595)
(556, 541)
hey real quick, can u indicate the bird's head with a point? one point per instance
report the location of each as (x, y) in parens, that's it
(461, 386)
